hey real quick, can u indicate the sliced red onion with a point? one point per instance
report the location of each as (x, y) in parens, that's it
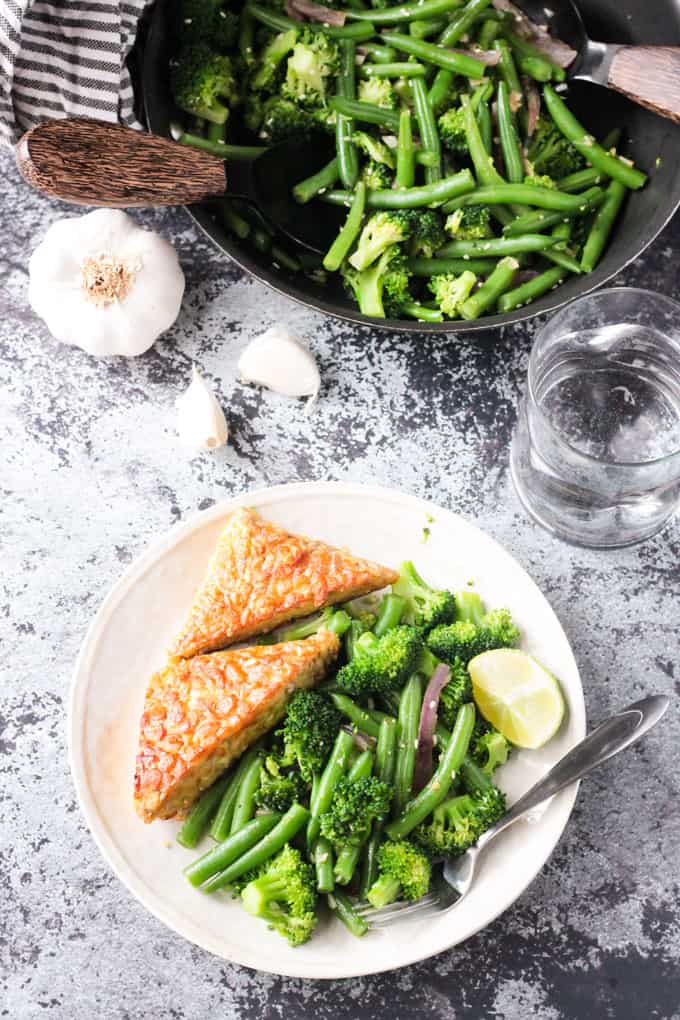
(317, 12)
(428, 723)
(524, 275)
(361, 740)
(292, 12)
(533, 105)
(554, 49)
(487, 57)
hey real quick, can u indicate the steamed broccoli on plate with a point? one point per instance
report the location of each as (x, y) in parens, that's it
(314, 809)
(440, 156)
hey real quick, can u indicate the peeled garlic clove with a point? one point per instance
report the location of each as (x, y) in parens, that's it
(201, 424)
(282, 363)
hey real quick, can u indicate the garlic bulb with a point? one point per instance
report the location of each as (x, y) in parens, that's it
(104, 284)
(201, 424)
(281, 362)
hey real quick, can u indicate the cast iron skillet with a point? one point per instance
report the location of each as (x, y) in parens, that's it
(654, 144)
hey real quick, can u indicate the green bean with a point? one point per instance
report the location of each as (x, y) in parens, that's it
(280, 23)
(216, 132)
(487, 247)
(611, 139)
(532, 195)
(485, 125)
(281, 257)
(506, 68)
(409, 718)
(532, 61)
(277, 837)
(581, 179)
(436, 790)
(426, 27)
(221, 825)
(243, 153)
(246, 37)
(348, 160)
(323, 863)
(379, 54)
(438, 96)
(433, 267)
(410, 198)
(475, 780)
(202, 813)
(532, 222)
(531, 290)
(403, 12)
(349, 231)
(335, 766)
(424, 158)
(487, 33)
(358, 716)
(342, 907)
(563, 259)
(396, 70)
(481, 160)
(367, 112)
(562, 230)
(232, 221)
(311, 186)
(429, 134)
(602, 226)
(614, 166)
(225, 853)
(244, 808)
(462, 21)
(488, 294)
(412, 310)
(434, 53)
(510, 146)
(385, 762)
(406, 170)
(390, 613)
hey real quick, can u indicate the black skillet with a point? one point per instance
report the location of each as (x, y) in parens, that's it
(654, 144)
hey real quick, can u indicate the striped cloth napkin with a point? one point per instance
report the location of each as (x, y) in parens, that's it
(65, 58)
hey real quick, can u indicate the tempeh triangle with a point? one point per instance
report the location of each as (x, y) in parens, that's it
(200, 714)
(261, 576)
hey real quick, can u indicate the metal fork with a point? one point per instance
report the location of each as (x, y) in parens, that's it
(610, 737)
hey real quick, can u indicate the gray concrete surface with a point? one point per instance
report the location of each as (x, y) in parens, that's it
(91, 472)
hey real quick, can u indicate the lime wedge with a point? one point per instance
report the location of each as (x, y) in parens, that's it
(517, 695)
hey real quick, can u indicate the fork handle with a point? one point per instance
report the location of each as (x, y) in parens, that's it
(610, 737)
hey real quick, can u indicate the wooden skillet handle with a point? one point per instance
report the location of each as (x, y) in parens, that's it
(650, 76)
(93, 163)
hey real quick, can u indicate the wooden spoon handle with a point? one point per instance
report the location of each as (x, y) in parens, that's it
(93, 163)
(650, 76)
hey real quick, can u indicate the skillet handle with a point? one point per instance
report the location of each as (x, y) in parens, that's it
(650, 76)
(93, 163)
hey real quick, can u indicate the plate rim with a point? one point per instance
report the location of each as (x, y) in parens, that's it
(153, 551)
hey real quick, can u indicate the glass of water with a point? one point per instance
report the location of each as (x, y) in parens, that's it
(595, 457)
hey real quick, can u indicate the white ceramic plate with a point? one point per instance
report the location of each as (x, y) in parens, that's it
(127, 641)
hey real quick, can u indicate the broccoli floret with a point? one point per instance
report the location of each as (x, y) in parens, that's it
(459, 821)
(550, 153)
(281, 119)
(279, 790)
(452, 131)
(427, 233)
(284, 895)
(451, 291)
(489, 749)
(207, 21)
(383, 287)
(540, 181)
(313, 61)
(309, 731)
(203, 83)
(380, 664)
(354, 807)
(425, 606)
(378, 91)
(333, 619)
(382, 230)
(456, 692)
(469, 223)
(373, 148)
(404, 872)
(473, 631)
(266, 76)
(376, 176)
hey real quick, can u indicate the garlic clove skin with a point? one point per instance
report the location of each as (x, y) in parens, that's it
(201, 424)
(280, 361)
(127, 319)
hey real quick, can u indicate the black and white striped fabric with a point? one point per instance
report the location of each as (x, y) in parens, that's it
(65, 58)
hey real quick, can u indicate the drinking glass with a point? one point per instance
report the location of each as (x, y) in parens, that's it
(595, 457)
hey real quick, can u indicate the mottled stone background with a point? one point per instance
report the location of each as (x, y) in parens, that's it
(91, 471)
